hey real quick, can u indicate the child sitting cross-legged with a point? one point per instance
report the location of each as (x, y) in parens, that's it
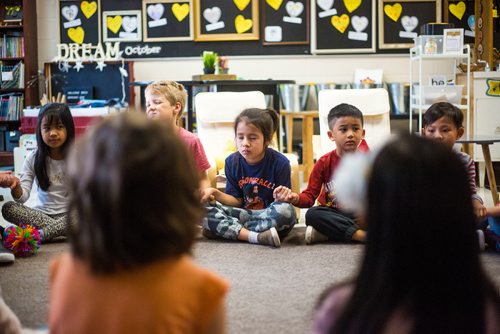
(328, 222)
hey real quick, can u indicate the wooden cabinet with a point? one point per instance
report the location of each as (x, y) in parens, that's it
(18, 67)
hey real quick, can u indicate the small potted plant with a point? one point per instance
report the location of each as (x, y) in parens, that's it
(209, 61)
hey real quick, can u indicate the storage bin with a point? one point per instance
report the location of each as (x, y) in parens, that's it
(431, 44)
(28, 124)
(432, 94)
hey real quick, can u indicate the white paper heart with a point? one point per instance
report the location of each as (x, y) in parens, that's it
(409, 23)
(69, 12)
(294, 9)
(359, 23)
(129, 23)
(325, 4)
(156, 11)
(212, 15)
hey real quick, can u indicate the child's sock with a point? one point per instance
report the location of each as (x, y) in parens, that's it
(253, 237)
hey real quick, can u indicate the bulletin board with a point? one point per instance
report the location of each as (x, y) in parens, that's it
(167, 20)
(79, 21)
(400, 21)
(343, 26)
(122, 26)
(104, 85)
(227, 20)
(461, 14)
(285, 22)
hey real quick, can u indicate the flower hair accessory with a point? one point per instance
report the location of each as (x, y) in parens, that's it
(351, 179)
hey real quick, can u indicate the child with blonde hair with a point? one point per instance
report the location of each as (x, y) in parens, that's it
(165, 101)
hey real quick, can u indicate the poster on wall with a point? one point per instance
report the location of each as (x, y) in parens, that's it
(122, 26)
(79, 22)
(343, 26)
(228, 20)
(167, 20)
(285, 22)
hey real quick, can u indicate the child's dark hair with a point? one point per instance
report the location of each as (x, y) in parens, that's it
(420, 249)
(266, 120)
(134, 194)
(343, 110)
(54, 112)
(443, 109)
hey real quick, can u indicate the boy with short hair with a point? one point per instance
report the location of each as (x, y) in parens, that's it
(327, 222)
(165, 101)
(443, 122)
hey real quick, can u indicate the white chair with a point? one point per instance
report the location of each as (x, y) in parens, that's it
(373, 103)
(215, 115)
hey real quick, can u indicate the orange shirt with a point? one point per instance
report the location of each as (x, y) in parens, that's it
(171, 296)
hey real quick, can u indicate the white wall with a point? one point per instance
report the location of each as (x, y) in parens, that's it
(302, 69)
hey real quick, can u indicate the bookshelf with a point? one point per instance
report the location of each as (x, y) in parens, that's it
(18, 68)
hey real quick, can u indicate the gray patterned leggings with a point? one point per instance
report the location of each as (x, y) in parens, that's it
(227, 221)
(51, 226)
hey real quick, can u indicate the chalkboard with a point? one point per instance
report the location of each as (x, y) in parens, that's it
(106, 84)
(285, 23)
(167, 20)
(235, 20)
(343, 26)
(79, 21)
(400, 21)
(461, 14)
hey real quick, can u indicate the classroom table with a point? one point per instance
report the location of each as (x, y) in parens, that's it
(268, 87)
(485, 141)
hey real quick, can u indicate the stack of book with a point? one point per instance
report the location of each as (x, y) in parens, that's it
(11, 46)
(12, 75)
(11, 106)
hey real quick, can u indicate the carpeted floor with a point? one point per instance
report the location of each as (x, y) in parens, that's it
(272, 290)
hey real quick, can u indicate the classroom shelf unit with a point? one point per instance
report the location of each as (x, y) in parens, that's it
(18, 69)
(419, 102)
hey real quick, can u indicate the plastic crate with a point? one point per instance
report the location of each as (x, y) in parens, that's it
(28, 124)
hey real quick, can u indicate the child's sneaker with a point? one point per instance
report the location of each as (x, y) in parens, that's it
(6, 256)
(269, 237)
(480, 237)
(313, 236)
(209, 234)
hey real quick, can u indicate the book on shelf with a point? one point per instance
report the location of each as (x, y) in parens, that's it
(12, 76)
(11, 106)
(11, 45)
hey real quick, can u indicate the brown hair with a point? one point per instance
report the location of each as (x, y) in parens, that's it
(134, 194)
(266, 120)
(172, 91)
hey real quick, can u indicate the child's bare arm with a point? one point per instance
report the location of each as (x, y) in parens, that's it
(479, 209)
(494, 211)
(209, 194)
(285, 194)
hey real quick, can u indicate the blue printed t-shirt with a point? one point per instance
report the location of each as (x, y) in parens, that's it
(255, 183)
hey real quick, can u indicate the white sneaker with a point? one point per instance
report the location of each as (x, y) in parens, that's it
(5, 255)
(313, 236)
(480, 237)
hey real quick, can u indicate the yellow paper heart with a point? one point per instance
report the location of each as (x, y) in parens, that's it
(241, 24)
(340, 22)
(352, 5)
(457, 10)
(393, 11)
(114, 23)
(241, 4)
(275, 4)
(180, 11)
(88, 8)
(76, 34)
